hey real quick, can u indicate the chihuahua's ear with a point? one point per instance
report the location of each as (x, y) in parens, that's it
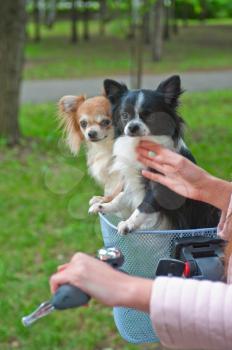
(171, 90)
(69, 103)
(114, 90)
(68, 107)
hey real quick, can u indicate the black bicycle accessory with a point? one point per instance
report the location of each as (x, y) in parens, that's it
(198, 258)
(170, 267)
(68, 296)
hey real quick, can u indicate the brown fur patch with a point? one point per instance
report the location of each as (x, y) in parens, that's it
(70, 113)
(69, 121)
(94, 106)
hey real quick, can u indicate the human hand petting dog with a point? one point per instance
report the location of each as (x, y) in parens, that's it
(182, 176)
(101, 281)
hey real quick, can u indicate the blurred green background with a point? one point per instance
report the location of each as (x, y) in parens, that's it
(45, 191)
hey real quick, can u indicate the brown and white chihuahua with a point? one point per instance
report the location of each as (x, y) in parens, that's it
(90, 120)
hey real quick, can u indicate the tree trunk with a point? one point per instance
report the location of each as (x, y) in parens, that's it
(204, 10)
(86, 21)
(12, 40)
(131, 32)
(102, 17)
(137, 46)
(175, 28)
(137, 57)
(158, 29)
(74, 30)
(36, 12)
(185, 14)
(50, 13)
(167, 23)
(146, 27)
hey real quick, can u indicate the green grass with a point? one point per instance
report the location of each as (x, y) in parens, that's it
(209, 130)
(44, 195)
(208, 21)
(198, 47)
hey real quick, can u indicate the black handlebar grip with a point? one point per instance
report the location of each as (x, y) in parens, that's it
(68, 296)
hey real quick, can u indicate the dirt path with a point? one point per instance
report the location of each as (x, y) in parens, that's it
(51, 90)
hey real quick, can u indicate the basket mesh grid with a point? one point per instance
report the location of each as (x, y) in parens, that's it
(142, 251)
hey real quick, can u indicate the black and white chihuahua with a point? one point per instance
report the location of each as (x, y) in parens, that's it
(150, 115)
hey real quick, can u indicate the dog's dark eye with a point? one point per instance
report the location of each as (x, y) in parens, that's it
(144, 114)
(105, 122)
(83, 124)
(125, 115)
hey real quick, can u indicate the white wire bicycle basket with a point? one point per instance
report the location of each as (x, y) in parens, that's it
(142, 251)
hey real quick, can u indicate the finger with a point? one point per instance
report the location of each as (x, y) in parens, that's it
(79, 256)
(151, 146)
(150, 163)
(163, 154)
(145, 153)
(150, 154)
(156, 178)
(57, 280)
(62, 267)
(153, 164)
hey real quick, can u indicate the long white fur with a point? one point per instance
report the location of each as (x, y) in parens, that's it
(100, 161)
(127, 165)
(139, 103)
(127, 202)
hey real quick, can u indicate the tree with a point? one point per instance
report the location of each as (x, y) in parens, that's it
(36, 14)
(185, 14)
(174, 19)
(12, 39)
(204, 10)
(74, 30)
(158, 30)
(137, 46)
(130, 35)
(167, 12)
(102, 17)
(146, 23)
(86, 20)
(50, 13)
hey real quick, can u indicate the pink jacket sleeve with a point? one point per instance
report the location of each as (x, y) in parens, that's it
(191, 314)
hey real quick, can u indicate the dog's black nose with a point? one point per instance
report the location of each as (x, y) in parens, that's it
(133, 128)
(92, 134)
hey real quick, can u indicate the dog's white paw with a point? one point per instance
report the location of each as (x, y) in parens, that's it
(96, 208)
(96, 199)
(125, 227)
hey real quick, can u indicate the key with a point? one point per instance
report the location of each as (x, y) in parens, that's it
(68, 296)
(43, 310)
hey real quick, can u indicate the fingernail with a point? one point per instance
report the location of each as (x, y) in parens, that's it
(151, 154)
